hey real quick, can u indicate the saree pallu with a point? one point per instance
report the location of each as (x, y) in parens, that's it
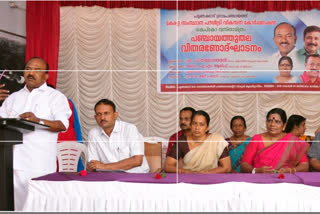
(205, 156)
(236, 153)
(284, 153)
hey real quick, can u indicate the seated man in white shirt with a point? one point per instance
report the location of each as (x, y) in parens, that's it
(114, 144)
(41, 104)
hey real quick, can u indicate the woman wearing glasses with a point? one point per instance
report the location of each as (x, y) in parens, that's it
(275, 150)
(285, 66)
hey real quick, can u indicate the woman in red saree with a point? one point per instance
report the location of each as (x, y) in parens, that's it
(275, 150)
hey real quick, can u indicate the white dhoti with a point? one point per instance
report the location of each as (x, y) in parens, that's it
(20, 185)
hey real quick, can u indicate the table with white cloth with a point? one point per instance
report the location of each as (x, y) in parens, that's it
(124, 192)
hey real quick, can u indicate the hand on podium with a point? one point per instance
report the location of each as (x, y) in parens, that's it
(55, 125)
(29, 116)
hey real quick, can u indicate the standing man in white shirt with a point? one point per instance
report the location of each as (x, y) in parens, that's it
(38, 103)
(114, 144)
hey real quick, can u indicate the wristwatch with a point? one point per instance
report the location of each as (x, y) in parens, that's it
(41, 122)
(254, 171)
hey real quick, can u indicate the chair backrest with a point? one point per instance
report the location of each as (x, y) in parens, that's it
(68, 154)
(164, 145)
(153, 153)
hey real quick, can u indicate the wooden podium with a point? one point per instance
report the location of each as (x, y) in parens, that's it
(11, 133)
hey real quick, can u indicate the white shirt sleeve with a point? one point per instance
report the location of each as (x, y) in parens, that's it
(4, 109)
(136, 141)
(61, 110)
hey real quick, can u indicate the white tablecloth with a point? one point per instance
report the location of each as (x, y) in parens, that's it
(115, 196)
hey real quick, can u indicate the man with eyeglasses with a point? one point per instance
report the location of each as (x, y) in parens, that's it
(311, 75)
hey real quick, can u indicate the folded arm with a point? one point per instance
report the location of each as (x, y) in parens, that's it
(247, 168)
(301, 167)
(224, 166)
(171, 166)
(315, 164)
(124, 164)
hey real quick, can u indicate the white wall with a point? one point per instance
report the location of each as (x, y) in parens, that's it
(13, 20)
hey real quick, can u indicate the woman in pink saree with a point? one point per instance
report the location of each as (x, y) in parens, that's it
(275, 150)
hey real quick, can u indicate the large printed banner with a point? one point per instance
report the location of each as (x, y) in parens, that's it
(223, 50)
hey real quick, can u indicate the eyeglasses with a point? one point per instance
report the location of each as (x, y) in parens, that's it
(278, 122)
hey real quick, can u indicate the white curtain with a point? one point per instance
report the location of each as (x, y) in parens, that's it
(112, 53)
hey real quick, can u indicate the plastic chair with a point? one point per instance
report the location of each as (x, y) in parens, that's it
(68, 154)
(153, 154)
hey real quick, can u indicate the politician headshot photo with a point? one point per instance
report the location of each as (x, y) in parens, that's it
(311, 43)
(311, 73)
(285, 39)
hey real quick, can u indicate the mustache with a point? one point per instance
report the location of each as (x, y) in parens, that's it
(30, 76)
(183, 125)
(103, 121)
(311, 44)
(284, 43)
